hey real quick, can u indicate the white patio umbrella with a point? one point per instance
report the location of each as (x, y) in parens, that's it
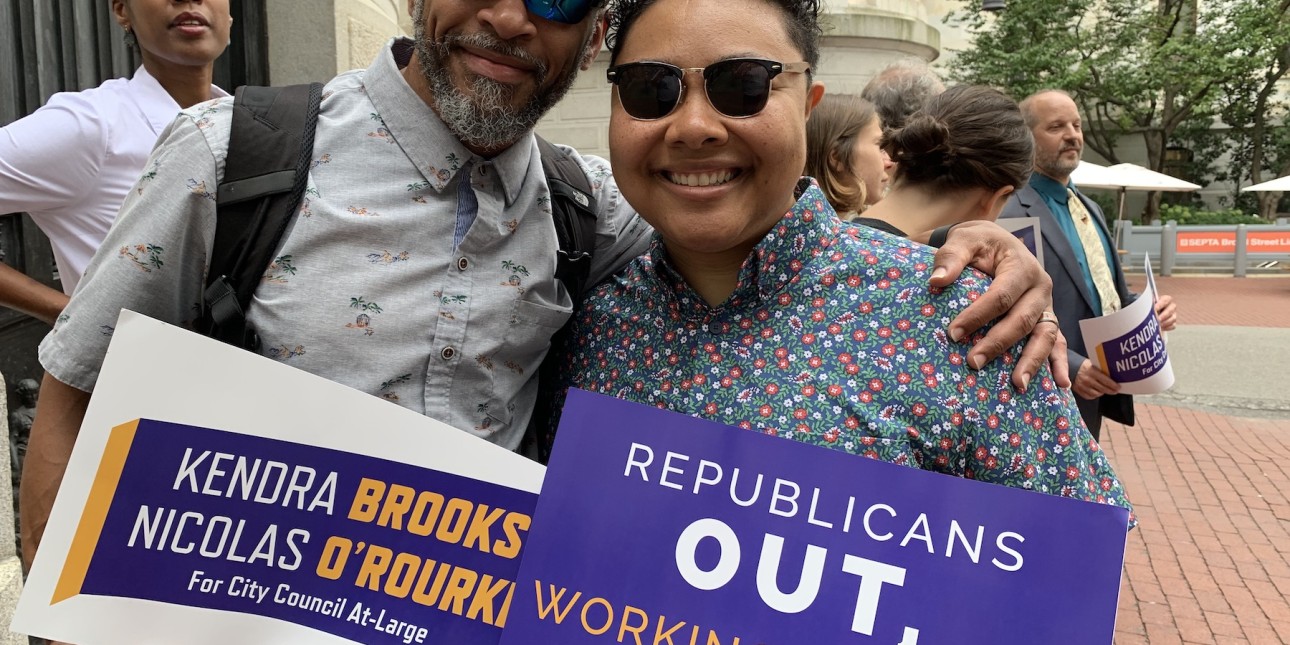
(1135, 177)
(1281, 184)
(1091, 175)
(1124, 177)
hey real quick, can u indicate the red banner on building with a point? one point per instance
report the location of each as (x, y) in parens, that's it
(1225, 242)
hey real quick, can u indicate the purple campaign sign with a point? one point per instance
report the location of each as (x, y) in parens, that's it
(1137, 355)
(654, 527)
(359, 547)
(1027, 237)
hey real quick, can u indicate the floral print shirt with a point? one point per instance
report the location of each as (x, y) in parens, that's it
(833, 338)
(367, 288)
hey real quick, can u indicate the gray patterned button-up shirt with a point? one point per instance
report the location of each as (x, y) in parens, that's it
(367, 289)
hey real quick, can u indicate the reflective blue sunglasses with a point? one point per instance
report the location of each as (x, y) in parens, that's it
(569, 12)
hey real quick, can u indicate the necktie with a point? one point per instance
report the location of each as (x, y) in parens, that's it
(1094, 253)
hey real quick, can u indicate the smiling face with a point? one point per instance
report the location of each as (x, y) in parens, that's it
(189, 34)
(711, 185)
(1059, 136)
(490, 69)
(870, 163)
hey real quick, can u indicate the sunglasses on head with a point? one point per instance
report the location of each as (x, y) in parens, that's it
(736, 87)
(569, 12)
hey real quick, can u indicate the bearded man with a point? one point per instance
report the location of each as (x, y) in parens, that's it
(1082, 261)
(427, 156)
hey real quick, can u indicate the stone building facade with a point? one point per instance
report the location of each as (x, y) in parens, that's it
(315, 39)
(861, 37)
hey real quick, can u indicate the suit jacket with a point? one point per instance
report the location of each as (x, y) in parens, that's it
(1072, 301)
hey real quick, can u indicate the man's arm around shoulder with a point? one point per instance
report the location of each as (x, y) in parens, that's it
(53, 433)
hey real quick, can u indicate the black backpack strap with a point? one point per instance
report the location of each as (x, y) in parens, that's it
(573, 208)
(269, 151)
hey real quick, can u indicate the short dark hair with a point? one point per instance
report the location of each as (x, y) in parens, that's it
(901, 89)
(830, 138)
(970, 136)
(801, 18)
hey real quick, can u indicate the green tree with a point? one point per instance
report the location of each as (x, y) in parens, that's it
(1150, 69)
(1251, 105)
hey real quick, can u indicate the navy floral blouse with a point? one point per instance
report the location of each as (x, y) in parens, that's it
(833, 338)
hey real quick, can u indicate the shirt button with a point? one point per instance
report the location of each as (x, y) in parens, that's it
(448, 353)
(463, 264)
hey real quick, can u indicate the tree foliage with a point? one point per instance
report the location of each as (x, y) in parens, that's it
(1166, 71)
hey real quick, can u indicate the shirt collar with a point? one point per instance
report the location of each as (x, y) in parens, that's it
(1049, 187)
(156, 104)
(424, 137)
(808, 228)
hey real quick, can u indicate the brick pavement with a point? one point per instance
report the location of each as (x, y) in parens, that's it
(1210, 560)
(1244, 302)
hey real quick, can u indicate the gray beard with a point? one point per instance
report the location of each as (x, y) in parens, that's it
(483, 117)
(1054, 166)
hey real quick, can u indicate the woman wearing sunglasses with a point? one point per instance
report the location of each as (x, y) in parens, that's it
(756, 306)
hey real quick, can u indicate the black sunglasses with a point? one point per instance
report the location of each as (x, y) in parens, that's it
(736, 87)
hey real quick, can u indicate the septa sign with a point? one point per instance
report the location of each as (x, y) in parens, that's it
(654, 527)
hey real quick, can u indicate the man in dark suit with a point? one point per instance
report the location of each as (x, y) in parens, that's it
(1078, 253)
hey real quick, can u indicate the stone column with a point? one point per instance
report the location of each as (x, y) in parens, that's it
(313, 40)
(864, 36)
(10, 564)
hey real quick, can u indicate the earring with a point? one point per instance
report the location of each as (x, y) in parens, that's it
(130, 40)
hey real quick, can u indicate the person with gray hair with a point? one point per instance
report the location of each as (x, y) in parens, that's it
(901, 89)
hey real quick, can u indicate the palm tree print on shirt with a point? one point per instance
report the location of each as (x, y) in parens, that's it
(387, 387)
(144, 256)
(279, 269)
(199, 188)
(283, 352)
(385, 257)
(364, 320)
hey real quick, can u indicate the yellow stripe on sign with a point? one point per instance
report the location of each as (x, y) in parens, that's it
(1101, 358)
(95, 513)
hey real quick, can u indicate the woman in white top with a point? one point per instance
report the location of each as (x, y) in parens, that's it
(71, 163)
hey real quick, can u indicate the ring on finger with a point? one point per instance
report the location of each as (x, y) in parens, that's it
(1047, 317)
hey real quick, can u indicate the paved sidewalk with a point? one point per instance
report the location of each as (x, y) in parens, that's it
(1210, 560)
(1242, 302)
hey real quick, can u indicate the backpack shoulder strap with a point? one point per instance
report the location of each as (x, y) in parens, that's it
(573, 208)
(266, 171)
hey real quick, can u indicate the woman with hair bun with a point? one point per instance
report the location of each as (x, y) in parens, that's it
(957, 160)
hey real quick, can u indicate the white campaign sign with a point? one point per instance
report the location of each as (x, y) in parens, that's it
(157, 371)
(1129, 345)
